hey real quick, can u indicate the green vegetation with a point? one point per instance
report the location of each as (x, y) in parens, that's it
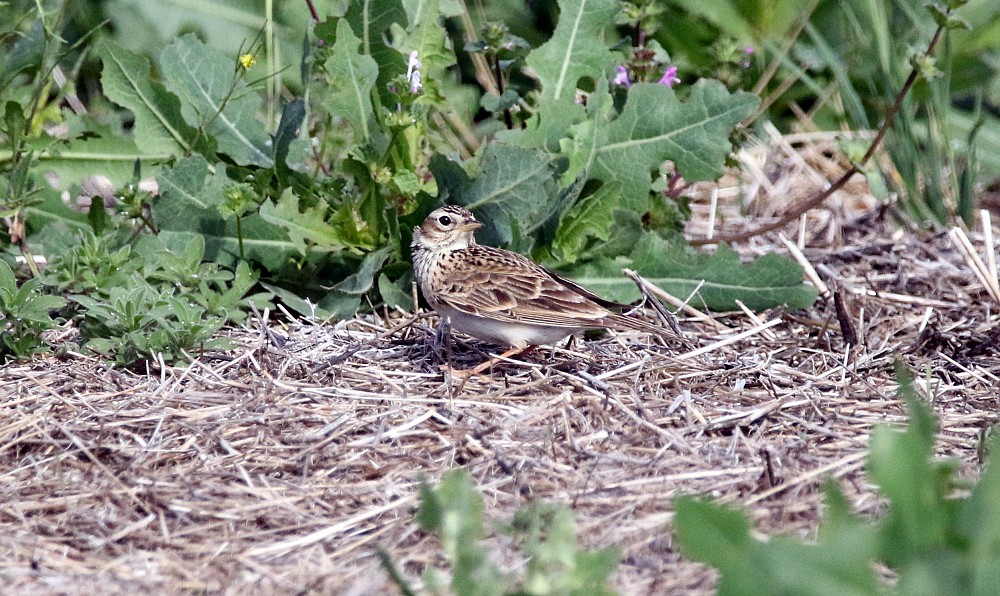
(934, 538)
(298, 170)
(543, 533)
(314, 195)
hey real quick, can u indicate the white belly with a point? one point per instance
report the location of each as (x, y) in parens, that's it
(505, 333)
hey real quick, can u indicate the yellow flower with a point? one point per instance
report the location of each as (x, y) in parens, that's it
(247, 60)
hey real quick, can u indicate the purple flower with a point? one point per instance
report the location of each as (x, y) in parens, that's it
(621, 77)
(413, 73)
(669, 77)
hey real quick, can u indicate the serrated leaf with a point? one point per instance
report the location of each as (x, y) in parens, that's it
(308, 228)
(203, 78)
(577, 49)
(125, 79)
(352, 76)
(768, 281)
(653, 127)
(514, 191)
(546, 126)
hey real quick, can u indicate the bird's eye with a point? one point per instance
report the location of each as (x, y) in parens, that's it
(444, 220)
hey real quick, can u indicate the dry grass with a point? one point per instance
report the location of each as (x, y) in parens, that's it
(279, 466)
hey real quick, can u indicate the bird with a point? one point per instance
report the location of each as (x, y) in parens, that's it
(501, 296)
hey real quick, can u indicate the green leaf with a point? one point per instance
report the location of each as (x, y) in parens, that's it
(515, 190)
(352, 76)
(578, 48)
(305, 228)
(188, 207)
(653, 127)
(52, 210)
(455, 512)
(769, 281)
(289, 129)
(203, 78)
(546, 126)
(396, 294)
(978, 522)
(900, 464)
(371, 19)
(360, 282)
(426, 34)
(68, 162)
(126, 81)
(587, 220)
(720, 536)
(8, 284)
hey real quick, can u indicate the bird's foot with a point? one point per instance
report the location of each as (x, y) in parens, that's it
(467, 373)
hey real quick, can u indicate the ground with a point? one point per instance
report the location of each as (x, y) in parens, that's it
(280, 465)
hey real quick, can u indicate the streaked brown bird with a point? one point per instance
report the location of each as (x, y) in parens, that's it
(501, 296)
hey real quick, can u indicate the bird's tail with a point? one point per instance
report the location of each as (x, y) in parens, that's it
(624, 323)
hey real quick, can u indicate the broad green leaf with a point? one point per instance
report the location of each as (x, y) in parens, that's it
(227, 25)
(588, 219)
(396, 293)
(188, 207)
(352, 76)
(68, 162)
(362, 280)
(342, 300)
(203, 78)
(653, 127)
(769, 281)
(546, 128)
(720, 536)
(371, 19)
(515, 190)
(126, 81)
(578, 48)
(52, 210)
(307, 228)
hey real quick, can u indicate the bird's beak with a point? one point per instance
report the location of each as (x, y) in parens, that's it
(472, 225)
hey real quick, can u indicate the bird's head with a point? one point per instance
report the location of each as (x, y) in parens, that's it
(447, 228)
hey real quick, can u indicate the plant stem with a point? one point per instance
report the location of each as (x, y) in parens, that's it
(817, 200)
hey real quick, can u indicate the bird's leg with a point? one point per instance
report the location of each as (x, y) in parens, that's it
(468, 373)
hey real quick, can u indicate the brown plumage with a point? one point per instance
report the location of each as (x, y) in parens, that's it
(501, 296)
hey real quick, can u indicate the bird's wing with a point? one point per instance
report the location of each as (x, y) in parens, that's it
(505, 286)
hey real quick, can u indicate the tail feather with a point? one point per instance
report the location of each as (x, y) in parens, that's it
(623, 323)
